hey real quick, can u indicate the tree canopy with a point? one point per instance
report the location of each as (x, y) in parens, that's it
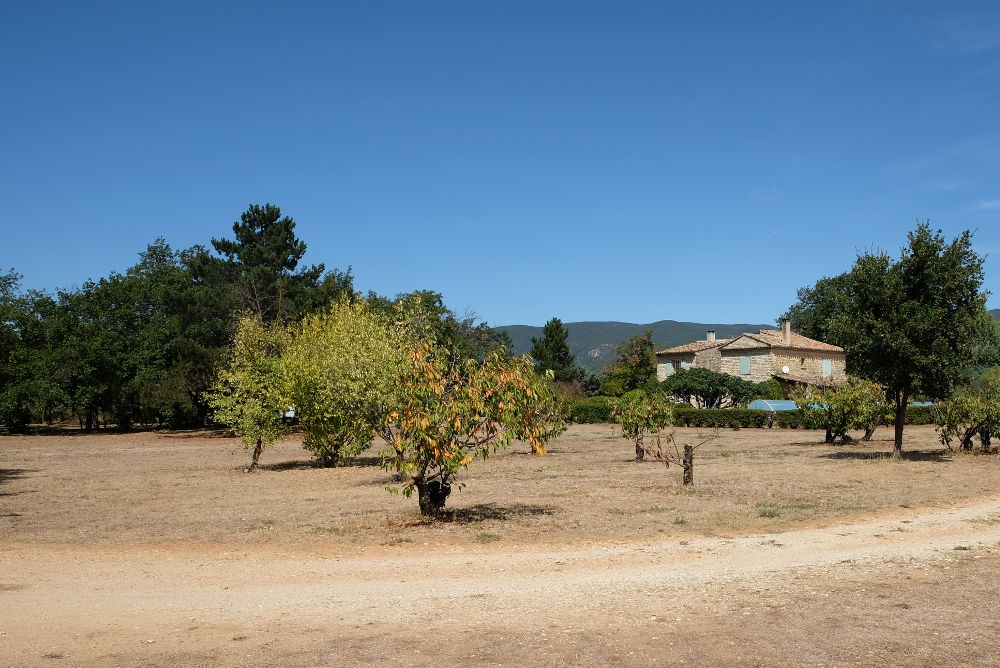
(710, 389)
(912, 325)
(635, 367)
(144, 346)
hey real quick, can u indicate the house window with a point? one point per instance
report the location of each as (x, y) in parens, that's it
(745, 365)
(827, 367)
(802, 362)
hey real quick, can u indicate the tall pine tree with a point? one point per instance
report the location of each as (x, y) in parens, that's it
(551, 352)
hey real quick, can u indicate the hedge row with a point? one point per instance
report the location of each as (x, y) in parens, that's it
(920, 414)
(800, 418)
(732, 418)
(595, 410)
(592, 410)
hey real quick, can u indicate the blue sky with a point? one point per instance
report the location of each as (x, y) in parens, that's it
(631, 161)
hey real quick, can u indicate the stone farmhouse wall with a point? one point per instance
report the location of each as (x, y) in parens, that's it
(706, 359)
(809, 363)
(765, 362)
(761, 364)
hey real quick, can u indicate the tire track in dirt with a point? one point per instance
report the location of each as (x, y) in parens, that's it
(81, 585)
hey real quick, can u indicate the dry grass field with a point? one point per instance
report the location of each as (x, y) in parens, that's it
(156, 548)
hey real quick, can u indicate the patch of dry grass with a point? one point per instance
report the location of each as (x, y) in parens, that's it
(152, 487)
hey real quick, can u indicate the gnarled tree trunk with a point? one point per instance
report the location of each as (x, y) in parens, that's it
(431, 495)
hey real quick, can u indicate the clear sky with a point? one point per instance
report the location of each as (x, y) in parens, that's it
(615, 160)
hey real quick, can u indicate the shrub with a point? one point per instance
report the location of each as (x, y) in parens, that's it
(732, 418)
(920, 414)
(593, 410)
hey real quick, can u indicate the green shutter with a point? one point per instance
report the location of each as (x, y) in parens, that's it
(745, 365)
(827, 367)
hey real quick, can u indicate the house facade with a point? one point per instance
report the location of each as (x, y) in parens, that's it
(704, 354)
(790, 358)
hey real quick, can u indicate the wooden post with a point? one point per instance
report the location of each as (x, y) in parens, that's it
(688, 464)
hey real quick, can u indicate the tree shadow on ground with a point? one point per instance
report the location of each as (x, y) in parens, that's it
(196, 433)
(301, 464)
(489, 511)
(935, 456)
(7, 475)
(58, 430)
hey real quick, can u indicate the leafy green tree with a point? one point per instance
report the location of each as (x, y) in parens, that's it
(248, 394)
(710, 389)
(341, 371)
(816, 307)
(14, 396)
(452, 414)
(912, 325)
(551, 352)
(640, 414)
(973, 410)
(459, 337)
(591, 384)
(635, 367)
(856, 404)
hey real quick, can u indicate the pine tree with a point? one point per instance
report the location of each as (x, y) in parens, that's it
(551, 352)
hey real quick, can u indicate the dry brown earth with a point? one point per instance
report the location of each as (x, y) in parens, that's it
(155, 549)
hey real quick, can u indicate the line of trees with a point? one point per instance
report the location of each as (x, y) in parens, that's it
(362, 368)
(144, 346)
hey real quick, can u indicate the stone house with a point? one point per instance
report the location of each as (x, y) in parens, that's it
(791, 358)
(704, 354)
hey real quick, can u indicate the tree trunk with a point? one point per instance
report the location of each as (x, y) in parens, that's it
(688, 465)
(431, 496)
(255, 456)
(869, 432)
(967, 439)
(330, 458)
(897, 444)
(640, 453)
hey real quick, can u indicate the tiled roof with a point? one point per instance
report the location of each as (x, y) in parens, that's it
(773, 338)
(769, 337)
(694, 347)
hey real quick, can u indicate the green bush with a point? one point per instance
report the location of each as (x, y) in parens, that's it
(769, 389)
(595, 410)
(592, 410)
(800, 418)
(813, 419)
(920, 414)
(731, 418)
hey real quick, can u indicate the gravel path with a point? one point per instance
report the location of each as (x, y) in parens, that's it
(190, 604)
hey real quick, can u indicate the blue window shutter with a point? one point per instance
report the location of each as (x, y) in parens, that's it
(745, 365)
(827, 367)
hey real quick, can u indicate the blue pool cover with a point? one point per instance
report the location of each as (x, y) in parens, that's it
(773, 405)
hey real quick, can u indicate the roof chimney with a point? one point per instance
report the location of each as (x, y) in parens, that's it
(786, 332)
(710, 336)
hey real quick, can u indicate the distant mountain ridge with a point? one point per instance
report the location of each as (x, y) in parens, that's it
(593, 343)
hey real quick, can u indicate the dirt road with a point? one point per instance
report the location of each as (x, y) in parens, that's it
(914, 588)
